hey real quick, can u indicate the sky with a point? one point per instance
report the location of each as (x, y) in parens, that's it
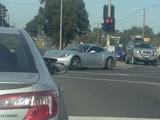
(128, 13)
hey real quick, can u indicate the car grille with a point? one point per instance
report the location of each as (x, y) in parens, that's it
(146, 54)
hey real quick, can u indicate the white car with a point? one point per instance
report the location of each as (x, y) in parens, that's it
(27, 90)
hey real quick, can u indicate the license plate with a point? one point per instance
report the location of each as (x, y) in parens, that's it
(146, 58)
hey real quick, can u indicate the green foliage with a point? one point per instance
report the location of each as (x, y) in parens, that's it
(36, 26)
(75, 20)
(3, 14)
(125, 35)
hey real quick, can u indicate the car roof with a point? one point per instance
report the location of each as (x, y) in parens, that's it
(9, 30)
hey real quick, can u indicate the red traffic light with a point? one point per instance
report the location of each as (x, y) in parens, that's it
(109, 21)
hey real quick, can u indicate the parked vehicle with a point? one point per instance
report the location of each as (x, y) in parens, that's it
(27, 90)
(120, 54)
(139, 51)
(84, 55)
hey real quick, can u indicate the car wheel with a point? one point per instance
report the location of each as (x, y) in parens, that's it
(133, 60)
(126, 60)
(75, 63)
(146, 63)
(155, 63)
(109, 65)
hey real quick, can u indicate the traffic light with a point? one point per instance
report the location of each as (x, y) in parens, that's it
(105, 11)
(108, 25)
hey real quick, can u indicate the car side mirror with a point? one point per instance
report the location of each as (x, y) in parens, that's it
(54, 67)
(92, 52)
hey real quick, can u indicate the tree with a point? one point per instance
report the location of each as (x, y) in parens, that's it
(3, 14)
(125, 36)
(36, 26)
(75, 19)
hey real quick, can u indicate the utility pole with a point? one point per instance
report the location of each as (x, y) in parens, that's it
(98, 32)
(109, 15)
(61, 25)
(8, 19)
(144, 22)
(2, 22)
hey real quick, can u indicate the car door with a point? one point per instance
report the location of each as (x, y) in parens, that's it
(94, 57)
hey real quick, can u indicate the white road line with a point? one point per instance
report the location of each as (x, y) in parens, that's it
(125, 67)
(95, 73)
(115, 74)
(109, 80)
(107, 118)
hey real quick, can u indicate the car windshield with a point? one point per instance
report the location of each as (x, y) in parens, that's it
(79, 47)
(15, 55)
(143, 45)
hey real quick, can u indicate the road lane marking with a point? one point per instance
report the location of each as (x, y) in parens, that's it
(107, 118)
(124, 67)
(115, 74)
(95, 73)
(109, 80)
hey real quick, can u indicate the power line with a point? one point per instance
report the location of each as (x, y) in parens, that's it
(130, 15)
(153, 6)
(137, 11)
(132, 20)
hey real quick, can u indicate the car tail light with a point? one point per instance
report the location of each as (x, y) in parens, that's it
(41, 105)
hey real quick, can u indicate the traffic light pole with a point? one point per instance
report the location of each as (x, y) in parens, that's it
(144, 20)
(109, 15)
(61, 20)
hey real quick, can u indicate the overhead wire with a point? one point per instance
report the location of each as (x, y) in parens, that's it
(133, 14)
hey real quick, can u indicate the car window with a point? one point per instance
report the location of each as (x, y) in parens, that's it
(96, 49)
(15, 54)
(143, 45)
(79, 47)
(129, 44)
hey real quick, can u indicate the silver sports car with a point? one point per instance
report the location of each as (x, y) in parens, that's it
(84, 56)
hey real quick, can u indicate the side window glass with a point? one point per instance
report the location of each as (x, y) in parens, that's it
(91, 49)
(96, 49)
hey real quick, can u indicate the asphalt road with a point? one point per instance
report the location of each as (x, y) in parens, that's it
(132, 91)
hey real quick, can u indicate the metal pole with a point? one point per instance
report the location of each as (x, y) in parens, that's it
(144, 24)
(109, 8)
(109, 15)
(98, 35)
(2, 17)
(8, 20)
(61, 20)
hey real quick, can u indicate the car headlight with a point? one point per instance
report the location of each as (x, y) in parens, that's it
(65, 55)
(155, 53)
(137, 52)
(123, 53)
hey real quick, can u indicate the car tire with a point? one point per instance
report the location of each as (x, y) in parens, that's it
(133, 60)
(155, 63)
(109, 65)
(126, 60)
(75, 63)
(146, 63)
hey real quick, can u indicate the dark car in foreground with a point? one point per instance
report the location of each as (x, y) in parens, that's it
(27, 90)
